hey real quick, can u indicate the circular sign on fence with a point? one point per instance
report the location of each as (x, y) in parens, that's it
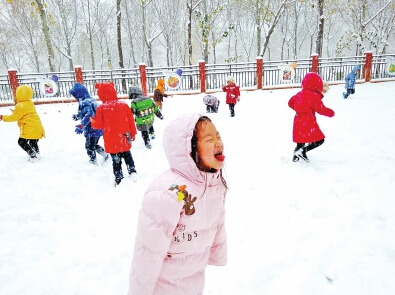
(287, 72)
(391, 67)
(48, 87)
(173, 81)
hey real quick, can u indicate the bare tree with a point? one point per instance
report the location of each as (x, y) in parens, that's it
(191, 6)
(20, 34)
(97, 16)
(41, 7)
(65, 27)
(320, 35)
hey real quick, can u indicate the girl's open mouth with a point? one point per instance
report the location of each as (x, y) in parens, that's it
(220, 157)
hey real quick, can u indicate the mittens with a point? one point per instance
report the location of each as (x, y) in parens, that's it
(75, 117)
(78, 129)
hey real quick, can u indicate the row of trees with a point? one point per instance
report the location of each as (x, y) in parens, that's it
(55, 35)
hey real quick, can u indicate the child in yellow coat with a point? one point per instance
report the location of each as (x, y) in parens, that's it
(31, 128)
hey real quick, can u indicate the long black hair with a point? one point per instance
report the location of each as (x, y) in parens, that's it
(195, 153)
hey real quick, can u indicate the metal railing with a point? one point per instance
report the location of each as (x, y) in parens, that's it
(330, 69)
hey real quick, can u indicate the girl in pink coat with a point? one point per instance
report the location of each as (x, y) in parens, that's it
(306, 103)
(181, 226)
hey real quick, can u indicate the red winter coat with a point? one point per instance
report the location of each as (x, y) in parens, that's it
(115, 118)
(232, 93)
(306, 103)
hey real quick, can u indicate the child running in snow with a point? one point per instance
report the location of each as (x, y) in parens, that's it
(211, 102)
(119, 130)
(350, 81)
(181, 226)
(86, 109)
(29, 122)
(306, 103)
(232, 94)
(144, 110)
(159, 93)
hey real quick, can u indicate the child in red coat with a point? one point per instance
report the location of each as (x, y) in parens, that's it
(306, 103)
(119, 129)
(232, 94)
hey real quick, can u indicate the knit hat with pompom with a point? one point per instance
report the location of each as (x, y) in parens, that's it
(230, 78)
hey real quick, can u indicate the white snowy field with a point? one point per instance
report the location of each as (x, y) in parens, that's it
(324, 227)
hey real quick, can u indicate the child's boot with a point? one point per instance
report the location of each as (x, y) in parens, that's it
(93, 161)
(147, 143)
(133, 174)
(301, 153)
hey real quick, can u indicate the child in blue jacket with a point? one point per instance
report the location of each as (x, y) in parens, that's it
(87, 109)
(350, 81)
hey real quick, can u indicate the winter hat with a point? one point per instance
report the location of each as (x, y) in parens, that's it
(134, 92)
(230, 78)
(313, 82)
(106, 91)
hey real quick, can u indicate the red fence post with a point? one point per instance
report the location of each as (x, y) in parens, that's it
(314, 63)
(143, 78)
(78, 74)
(13, 81)
(259, 72)
(367, 69)
(202, 76)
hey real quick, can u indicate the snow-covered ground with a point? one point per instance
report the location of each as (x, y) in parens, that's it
(327, 227)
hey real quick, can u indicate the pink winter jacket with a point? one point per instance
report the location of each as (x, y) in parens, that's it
(181, 223)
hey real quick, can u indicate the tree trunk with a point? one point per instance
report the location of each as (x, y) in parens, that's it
(119, 42)
(320, 35)
(45, 30)
(190, 8)
(90, 36)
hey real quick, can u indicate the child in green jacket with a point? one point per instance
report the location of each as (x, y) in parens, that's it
(144, 109)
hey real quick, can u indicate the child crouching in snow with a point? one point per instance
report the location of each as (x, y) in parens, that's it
(306, 103)
(119, 130)
(31, 128)
(181, 226)
(211, 102)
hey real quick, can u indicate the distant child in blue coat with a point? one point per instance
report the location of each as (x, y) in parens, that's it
(350, 81)
(87, 109)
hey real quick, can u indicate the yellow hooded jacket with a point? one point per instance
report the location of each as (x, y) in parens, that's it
(25, 113)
